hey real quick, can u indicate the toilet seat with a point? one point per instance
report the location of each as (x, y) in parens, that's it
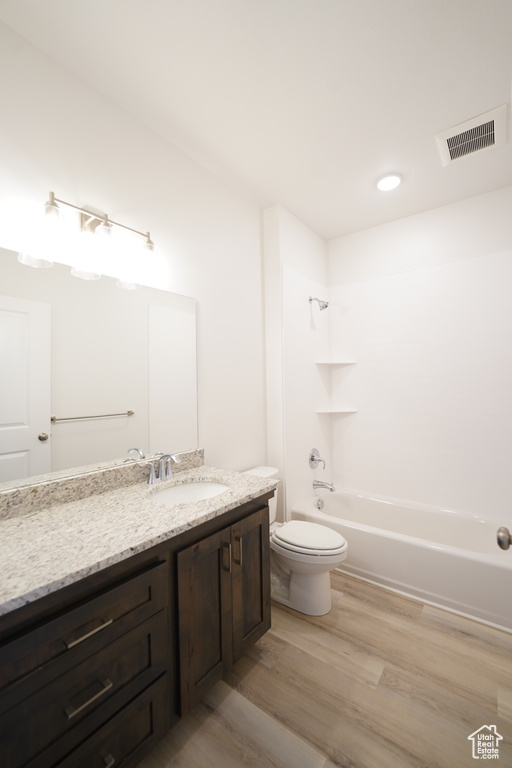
(309, 539)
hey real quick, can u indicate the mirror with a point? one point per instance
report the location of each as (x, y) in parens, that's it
(112, 352)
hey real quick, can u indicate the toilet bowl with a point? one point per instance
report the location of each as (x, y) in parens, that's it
(301, 556)
(308, 552)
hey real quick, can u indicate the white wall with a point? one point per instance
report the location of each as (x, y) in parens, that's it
(297, 337)
(58, 134)
(424, 305)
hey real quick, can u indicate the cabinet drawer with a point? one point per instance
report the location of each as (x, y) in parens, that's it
(36, 657)
(128, 736)
(53, 720)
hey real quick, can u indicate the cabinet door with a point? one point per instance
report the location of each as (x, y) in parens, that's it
(204, 599)
(250, 580)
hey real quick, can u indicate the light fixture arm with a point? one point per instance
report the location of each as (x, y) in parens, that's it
(102, 218)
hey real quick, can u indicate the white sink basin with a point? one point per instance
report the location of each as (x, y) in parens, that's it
(187, 492)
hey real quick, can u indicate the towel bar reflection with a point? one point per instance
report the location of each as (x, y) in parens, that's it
(100, 416)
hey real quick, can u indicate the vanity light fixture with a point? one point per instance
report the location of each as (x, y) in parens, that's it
(104, 228)
(97, 223)
(91, 224)
(52, 222)
(389, 182)
(149, 244)
(51, 208)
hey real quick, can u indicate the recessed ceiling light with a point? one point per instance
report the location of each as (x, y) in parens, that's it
(389, 182)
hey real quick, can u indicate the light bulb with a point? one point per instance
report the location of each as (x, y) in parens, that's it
(51, 208)
(149, 245)
(104, 229)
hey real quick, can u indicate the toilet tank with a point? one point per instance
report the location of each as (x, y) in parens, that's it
(263, 471)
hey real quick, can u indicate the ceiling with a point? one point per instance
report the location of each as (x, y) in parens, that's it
(300, 102)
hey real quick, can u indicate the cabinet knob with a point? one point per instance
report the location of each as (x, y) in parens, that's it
(109, 761)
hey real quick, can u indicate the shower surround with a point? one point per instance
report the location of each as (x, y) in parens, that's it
(404, 382)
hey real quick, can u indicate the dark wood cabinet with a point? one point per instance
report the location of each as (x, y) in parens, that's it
(127, 737)
(250, 581)
(66, 677)
(95, 673)
(34, 658)
(223, 601)
(204, 609)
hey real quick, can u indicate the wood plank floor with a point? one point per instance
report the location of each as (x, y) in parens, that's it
(382, 680)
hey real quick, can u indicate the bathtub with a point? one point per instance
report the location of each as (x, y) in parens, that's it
(446, 558)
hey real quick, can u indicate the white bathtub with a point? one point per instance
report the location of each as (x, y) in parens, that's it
(446, 558)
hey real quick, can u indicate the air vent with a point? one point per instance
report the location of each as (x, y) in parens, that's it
(471, 141)
(482, 132)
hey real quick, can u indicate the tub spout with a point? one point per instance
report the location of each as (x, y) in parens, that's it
(322, 484)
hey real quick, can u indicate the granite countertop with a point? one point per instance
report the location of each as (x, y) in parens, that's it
(49, 548)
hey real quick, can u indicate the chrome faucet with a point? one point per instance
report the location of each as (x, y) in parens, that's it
(165, 462)
(322, 484)
(152, 479)
(138, 451)
(165, 466)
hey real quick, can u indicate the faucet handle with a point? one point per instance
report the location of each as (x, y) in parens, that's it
(152, 479)
(315, 458)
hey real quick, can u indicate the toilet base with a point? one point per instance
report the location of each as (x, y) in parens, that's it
(308, 593)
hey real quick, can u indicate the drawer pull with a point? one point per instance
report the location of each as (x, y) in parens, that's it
(72, 644)
(73, 711)
(109, 761)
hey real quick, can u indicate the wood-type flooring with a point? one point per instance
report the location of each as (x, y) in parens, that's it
(382, 680)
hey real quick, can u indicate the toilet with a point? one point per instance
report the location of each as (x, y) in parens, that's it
(301, 556)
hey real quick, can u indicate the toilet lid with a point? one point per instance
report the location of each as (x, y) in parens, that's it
(302, 536)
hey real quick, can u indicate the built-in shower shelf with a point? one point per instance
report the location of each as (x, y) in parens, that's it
(336, 362)
(336, 410)
(331, 364)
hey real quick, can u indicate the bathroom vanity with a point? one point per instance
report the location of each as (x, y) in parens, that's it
(103, 647)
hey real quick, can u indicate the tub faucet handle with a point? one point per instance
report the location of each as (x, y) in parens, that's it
(315, 459)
